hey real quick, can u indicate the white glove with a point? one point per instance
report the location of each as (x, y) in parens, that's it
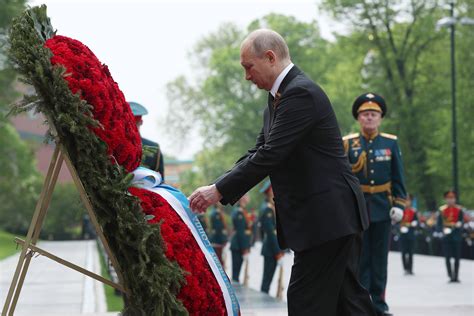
(403, 229)
(447, 230)
(458, 224)
(396, 214)
(414, 223)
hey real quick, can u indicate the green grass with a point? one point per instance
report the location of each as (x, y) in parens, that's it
(7, 245)
(114, 302)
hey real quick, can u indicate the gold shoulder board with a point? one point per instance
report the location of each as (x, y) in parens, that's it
(350, 136)
(391, 136)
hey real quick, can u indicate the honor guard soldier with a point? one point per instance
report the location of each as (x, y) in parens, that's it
(218, 233)
(407, 235)
(153, 159)
(376, 160)
(240, 242)
(271, 252)
(449, 224)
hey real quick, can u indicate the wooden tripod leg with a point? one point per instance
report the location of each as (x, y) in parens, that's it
(40, 205)
(71, 265)
(37, 231)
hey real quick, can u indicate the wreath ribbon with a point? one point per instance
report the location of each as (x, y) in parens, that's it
(152, 181)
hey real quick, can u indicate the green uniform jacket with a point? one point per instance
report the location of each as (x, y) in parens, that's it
(218, 233)
(270, 246)
(447, 218)
(242, 233)
(154, 159)
(377, 163)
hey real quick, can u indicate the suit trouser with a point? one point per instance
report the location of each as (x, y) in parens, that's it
(269, 266)
(237, 260)
(374, 261)
(324, 281)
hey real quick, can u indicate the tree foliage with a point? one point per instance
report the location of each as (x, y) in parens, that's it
(8, 10)
(407, 61)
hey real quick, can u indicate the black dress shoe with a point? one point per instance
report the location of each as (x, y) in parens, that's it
(384, 314)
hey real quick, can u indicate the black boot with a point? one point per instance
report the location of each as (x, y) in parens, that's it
(456, 271)
(448, 267)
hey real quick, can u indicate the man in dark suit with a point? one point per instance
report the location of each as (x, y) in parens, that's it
(320, 209)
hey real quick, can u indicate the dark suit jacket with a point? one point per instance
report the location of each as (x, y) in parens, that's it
(300, 147)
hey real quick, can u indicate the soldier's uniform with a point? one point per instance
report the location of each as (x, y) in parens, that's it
(271, 251)
(152, 157)
(377, 163)
(407, 238)
(218, 233)
(450, 222)
(240, 242)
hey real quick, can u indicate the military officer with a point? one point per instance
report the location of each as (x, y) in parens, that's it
(218, 233)
(407, 235)
(153, 159)
(449, 224)
(376, 160)
(271, 252)
(240, 242)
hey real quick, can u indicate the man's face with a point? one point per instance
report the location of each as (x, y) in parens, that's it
(450, 198)
(244, 200)
(369, 120)
(258, 69)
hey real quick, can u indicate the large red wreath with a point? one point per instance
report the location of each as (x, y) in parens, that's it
(201, 295)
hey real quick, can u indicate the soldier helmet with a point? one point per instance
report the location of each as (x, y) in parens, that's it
(369, 102)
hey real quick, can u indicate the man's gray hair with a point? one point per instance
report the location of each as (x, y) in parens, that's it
(263, 40)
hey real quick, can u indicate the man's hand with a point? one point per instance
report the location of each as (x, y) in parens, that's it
(204, 197)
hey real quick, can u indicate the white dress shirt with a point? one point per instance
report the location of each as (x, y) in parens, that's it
(280, 78)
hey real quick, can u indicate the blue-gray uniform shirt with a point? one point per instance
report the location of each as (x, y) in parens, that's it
(377, 162)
